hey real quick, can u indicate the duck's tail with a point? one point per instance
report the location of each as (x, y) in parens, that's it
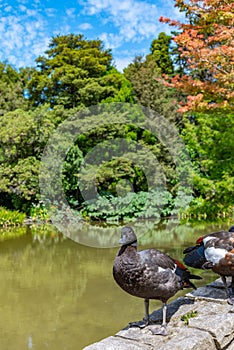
(185, 275)
(195, 256)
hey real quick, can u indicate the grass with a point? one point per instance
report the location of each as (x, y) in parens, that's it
(11, 218)
(187, 316)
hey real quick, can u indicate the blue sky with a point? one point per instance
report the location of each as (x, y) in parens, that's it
(125, 26)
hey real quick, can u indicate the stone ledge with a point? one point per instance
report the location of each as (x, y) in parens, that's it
(212, 327)
(118, 343)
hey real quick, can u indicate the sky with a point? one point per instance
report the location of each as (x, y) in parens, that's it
(127, 27)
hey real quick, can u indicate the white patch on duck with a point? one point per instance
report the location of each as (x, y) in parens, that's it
(161, 269)
(213, 254)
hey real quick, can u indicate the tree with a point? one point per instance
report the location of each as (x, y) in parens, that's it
(161, 53)
(12, 87)
(206, 44)
(148, 88)
(23, 135)
(208, 138)
(74, 72)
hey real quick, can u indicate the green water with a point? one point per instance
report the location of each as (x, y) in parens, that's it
(59, 295)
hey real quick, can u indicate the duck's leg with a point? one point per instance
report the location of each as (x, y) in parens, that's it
(162, 330)
(231, 295)
(157, 330)
(223, 278)
(146, 320)
(232, 285)
(230, 298)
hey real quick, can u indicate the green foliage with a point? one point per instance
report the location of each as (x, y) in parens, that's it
(161, 53)
(76, 72)
(114, 172)
(29, 135)
(130, 206)
(39, 213)
(70, 175)
(208, 138)
(12, 87)
(11, 218)
(149, 89)
(189, 315)
(20, 151)
(121, 87)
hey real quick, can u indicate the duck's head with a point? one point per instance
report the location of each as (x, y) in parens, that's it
(128, 236)
(231, 229)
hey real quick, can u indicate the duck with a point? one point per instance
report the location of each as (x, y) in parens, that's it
(214, 251)
(149, 274)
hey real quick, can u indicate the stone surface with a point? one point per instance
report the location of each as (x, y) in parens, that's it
(177, 339)
(117, 343)
(143, 336)
(210, 325)
(190, 339)
(230, 346)
(221, 327)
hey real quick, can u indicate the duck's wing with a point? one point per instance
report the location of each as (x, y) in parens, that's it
(167, 267)
(220, 240)
(219, 248)
(195, 257)
(156, 260)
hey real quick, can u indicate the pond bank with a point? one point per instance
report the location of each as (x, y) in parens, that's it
(200, 320)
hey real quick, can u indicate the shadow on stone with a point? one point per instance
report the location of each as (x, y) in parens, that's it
(156, 316)
(214, 291)
(172, 308)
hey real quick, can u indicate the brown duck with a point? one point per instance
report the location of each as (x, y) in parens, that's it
(215, 251)
(149, 274)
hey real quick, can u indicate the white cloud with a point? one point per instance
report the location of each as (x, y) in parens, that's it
(61, 29)
(26, 26)
(123, 62)
(136, 20)
(50, 12)
(8, 9)
(71, 12)
(172, 12)
(23, 36)
(22, 8)
(85, 26)
(22, 1)
(111, 40)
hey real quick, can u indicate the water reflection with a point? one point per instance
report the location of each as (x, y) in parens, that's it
(56, 294)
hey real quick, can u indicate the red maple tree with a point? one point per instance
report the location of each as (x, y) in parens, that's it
(206, 43)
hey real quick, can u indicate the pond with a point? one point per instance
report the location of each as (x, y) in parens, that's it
(60, 295)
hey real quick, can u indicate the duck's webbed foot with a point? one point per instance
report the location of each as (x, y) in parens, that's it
(146, 320)
(159, 330)
(229, 292)
(230, 300)
(230, 297)
(207, 265)
(141, 324)
(156, 330)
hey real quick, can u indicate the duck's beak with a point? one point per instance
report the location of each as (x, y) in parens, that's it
(121, 241)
